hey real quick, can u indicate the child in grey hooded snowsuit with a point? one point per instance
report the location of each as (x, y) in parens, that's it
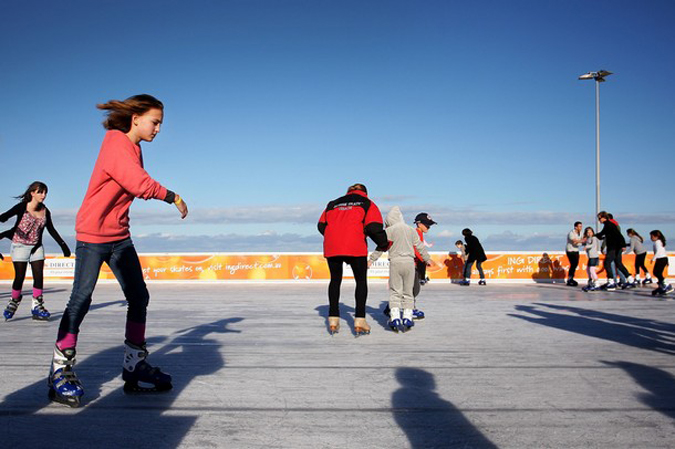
(404, 240)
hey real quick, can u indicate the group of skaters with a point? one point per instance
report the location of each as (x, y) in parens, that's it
(102, 234)
(347, 221)
(611, 242)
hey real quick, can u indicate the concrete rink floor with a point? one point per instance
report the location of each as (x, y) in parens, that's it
(508, 366)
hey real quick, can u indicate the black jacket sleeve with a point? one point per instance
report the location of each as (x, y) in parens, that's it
(12, 212)
(55, 235)
(376, 232)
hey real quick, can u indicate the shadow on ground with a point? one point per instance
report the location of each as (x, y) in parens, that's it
(428, 420)
(373, 315)
(108, 415)
(653, 335)
(659, 383)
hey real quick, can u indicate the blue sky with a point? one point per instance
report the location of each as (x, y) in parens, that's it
(470, 111)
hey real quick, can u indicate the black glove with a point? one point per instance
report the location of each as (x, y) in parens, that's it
(65, 249)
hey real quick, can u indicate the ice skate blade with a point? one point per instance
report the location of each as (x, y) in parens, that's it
(135, 388)
(40, 318)
(360, 332)
(333, 331)
(70, 401)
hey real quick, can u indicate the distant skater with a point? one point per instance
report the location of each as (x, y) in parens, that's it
(403, 274)
(102, 227)
(345, 224)
(574, 241)
(660, 261)
(615, 244)
(592, 247)
(637, 247)
(475, 253)
(32, 217)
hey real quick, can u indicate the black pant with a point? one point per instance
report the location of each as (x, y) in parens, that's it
(468, 266)
(573, 257)
(20, 268)
(614, 255)
(659, 266)
(360, 268)
(640, 263)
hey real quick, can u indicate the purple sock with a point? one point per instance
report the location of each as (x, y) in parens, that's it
(135, 333)
(16, 294)
(36, 292)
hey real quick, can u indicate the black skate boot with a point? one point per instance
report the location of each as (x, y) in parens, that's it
(64, 386)
(138, 375)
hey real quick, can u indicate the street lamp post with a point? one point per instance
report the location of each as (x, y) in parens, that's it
(599, 77)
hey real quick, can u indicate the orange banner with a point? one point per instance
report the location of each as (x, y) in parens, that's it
(507, 266)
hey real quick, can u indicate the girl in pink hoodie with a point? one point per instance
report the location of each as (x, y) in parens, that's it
(102, 227)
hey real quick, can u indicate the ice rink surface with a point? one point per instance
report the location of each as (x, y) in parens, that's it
(508, 366)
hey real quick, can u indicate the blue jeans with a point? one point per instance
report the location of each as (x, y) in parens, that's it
(122, 259)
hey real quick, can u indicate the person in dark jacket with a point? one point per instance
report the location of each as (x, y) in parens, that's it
(32, 217)
(345, 224)
(615, 245)
(475, 253)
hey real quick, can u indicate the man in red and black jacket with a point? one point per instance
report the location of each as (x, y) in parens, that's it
(345, 224)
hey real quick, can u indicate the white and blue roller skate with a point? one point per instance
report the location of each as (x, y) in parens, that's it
(138, 375)
(407, 322)
(64, 386)
(662, 290)
(591, 287)
(38, 311)
(418, 314)
(10, 310)
(395, 319)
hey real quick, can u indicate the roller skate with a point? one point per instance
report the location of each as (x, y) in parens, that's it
(395, 319)
(333, 325)
(407, 322)
(64, 386)
(591, 287)
(464, 282)
(138, 375)
(647, 281)
(361, 327)
(572, 283)
(482, 282)
(38, 311)
(610, 286)
(418, 314)
(10, 310)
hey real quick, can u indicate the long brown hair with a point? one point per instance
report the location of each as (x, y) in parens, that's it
(659, 236)
(119, 113)
(632, 232)
(35, 186)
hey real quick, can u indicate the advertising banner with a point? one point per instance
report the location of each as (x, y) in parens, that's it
(503, 266)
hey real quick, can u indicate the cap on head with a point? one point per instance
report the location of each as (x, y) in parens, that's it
(425, 219)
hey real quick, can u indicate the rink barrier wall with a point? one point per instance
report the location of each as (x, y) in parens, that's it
(514, 266)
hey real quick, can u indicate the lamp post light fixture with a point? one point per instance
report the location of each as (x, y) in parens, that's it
(599, 77)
